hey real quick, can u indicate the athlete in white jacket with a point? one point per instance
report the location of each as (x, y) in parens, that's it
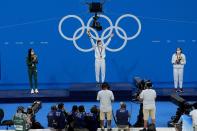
(178, 61)
(100, 55)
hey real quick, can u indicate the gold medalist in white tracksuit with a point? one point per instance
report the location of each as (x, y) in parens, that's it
(100, 55)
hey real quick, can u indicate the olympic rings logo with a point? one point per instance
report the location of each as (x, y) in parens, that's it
(104, 36)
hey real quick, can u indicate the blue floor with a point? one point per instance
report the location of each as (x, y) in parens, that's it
(164, 111)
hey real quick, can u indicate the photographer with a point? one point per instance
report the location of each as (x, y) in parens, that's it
(61, 118)
(71, 118)
(52, 118)
(21, 120)
(122, 117)
(80, 117)
(106, 97)
(148, 97)
(92, 119)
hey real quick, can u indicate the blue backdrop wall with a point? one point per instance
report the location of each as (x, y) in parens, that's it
(165, 25)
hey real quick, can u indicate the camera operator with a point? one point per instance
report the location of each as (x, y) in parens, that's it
(140, 84)
(21, 120)
(106, 97)
(30, 113)
(184, 122)
(148, 97)
(193, 114)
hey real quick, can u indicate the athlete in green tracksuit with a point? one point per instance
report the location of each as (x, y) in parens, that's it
(32, 61)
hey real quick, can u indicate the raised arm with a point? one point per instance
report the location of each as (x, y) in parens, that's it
(91, 40)
(109, 39)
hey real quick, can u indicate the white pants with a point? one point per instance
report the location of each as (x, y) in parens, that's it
(100, 67)
(178, 77)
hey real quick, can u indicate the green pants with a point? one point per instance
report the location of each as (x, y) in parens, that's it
(32, 72)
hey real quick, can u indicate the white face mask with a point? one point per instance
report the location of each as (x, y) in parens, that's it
(178, 52)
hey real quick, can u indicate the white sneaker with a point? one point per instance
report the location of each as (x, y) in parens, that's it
(32, 91)
(36, 91)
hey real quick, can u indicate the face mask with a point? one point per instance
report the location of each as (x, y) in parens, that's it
(99, 45)
(178, 52)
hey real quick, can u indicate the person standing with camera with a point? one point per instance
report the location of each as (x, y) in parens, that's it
(148, 97)
(178, 61)
(184, 122)
(21, 120)
(106, 97)
(32, 61)
(193, 114)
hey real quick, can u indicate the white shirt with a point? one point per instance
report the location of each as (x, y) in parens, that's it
(182, 62)
(100, 53)
(105, 97)
(148, 96)
(193, 113)
(186, 121)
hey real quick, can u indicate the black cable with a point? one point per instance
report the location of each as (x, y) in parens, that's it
(114, 118)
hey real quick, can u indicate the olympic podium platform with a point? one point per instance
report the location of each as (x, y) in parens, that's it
(73, 92)
(86, 92)
(138, 129)
(113, 129)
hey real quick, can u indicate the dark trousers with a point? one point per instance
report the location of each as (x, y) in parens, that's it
(32, 72)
